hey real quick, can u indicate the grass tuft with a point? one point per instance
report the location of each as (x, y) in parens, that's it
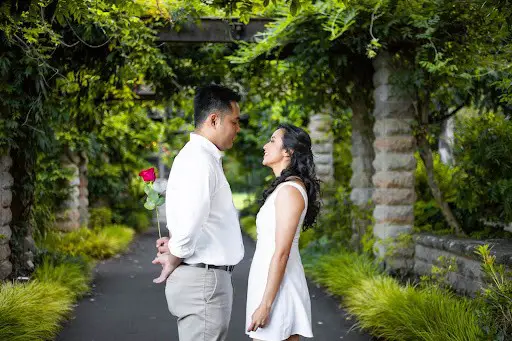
(92, 244)
(70, 275)
(32, 311)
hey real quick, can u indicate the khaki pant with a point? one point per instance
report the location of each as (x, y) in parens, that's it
(201, 300)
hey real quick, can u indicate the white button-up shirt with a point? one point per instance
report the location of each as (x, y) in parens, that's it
(201, 216)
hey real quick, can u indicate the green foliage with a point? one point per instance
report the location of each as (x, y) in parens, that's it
(139, 220)
(70, 275)
(335, 220)
(427, 214)
(495, 314)
(91, 244)
(483, 152)
(50, 189)
(32, 311)
(306, 237)
(368, 241)
(57, 258)
(440, 272)
(100, 217)
(242, 200)
(248, 224)
(478, 186)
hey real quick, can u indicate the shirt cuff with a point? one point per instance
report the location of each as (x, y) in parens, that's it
(181, 252)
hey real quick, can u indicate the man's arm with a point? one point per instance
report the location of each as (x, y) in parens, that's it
(187, 206)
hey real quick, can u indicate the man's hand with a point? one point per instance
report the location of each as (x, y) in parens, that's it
(162, 246)
(169, 263)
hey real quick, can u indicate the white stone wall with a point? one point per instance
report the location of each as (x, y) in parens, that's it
(68, 217)
(394, 164)
(362, 170)
(468, 278)
(83, 196)
(6, 183)
(322, 146)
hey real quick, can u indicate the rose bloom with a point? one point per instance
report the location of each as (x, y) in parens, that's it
(148, 175)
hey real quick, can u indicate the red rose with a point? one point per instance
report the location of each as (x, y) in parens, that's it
(148, 175)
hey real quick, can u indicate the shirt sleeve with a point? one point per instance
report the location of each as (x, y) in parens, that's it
(187, 203)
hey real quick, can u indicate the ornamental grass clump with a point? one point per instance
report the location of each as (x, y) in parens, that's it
(92, 244)
(72, 276)
(33, 311)
(340, 271)
(394, 312)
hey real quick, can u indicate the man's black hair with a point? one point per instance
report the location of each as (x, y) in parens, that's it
(211, 98)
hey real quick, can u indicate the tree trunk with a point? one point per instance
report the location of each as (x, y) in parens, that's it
(428, 161)
(426, 157)
(363, 155)
(22, 245)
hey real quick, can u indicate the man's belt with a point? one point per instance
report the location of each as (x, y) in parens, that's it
(228, 268)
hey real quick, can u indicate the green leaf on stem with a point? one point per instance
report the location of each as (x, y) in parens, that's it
(160, 201)
(149, 205)
(153, 196)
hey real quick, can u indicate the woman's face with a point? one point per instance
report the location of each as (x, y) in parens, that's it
(273, 150)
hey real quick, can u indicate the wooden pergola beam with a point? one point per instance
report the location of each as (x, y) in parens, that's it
(214, 30)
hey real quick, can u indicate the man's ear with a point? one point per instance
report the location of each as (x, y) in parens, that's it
(212, 119)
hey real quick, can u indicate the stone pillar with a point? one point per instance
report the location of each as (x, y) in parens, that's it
(6, 182)
(394, 165)
(68, 217)
(362, 169)
(322, 146)
(83, 196)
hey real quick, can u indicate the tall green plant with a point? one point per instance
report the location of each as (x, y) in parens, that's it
(496, 298)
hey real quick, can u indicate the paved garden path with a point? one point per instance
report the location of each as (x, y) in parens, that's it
(125, 305)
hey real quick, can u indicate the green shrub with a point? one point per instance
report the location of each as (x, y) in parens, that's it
(70, 275)
(306, 237)
(248, 224)
(100, 217)
(394, 312)
(140, 221)
(95, 244)
(243, 200)
(483, 153)
(335, 219)
(32, 311)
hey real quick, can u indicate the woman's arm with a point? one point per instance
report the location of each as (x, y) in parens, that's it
(289, 205)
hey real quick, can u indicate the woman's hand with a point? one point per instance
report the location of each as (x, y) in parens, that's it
(260, 318)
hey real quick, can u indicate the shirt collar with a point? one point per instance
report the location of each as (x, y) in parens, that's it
(206, 144)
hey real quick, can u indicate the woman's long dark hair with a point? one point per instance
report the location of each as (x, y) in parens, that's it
(298, 144)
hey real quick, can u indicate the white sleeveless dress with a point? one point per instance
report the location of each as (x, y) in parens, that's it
(291, 310)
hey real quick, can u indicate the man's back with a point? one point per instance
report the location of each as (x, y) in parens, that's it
(199, 207)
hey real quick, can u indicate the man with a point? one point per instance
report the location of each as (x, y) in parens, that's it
(206, 241)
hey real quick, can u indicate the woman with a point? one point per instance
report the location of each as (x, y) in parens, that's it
(278, 303)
